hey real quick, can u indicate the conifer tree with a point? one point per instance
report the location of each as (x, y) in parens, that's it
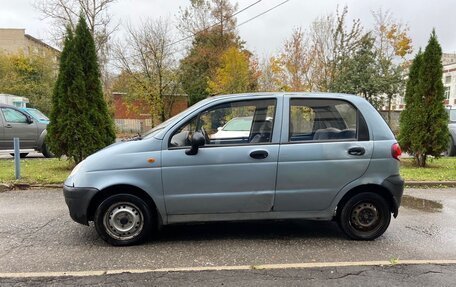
(424, 123)
(80, 122)
(98, 115)
(55, 137)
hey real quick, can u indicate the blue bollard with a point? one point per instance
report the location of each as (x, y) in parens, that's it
(17, 159)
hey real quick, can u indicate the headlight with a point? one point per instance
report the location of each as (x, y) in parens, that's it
(76, 168)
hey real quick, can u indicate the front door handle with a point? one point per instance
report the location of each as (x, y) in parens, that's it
(259, 154)
(8, 126)
(356, 151)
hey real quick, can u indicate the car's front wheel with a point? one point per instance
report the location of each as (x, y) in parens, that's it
(123, 219)
(365, 216)
(46, 151)
(21, 155)
(451, 150)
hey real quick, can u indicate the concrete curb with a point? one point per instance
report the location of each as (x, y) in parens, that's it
(430, 183)
(305, 265)
(25, 186)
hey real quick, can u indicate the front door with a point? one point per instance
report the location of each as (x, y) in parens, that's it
(235, 171)
(325, 147)
(16, 124)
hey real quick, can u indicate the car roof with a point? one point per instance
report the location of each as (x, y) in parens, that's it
(352, 98)
(8, 106)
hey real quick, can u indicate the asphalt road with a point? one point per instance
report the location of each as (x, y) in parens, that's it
(400, 275)
(37, 235)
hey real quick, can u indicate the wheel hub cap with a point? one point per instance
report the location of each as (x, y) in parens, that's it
(365, 216)
(123, 221)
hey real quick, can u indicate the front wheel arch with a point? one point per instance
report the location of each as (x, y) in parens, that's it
(122, 189)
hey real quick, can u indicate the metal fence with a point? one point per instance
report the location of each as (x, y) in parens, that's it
(133, 125)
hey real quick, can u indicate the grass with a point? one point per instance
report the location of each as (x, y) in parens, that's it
(442, 169)
(55, 171)
(33, 171)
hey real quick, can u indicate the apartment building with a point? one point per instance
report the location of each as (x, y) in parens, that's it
(17, 41)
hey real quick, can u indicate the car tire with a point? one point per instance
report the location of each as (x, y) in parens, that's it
(46, 151)
(21, 155)
(451, 150)
(123, 220)
(365, 216)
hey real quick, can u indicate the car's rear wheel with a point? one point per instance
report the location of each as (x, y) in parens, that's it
(123, 219)
(365, 216)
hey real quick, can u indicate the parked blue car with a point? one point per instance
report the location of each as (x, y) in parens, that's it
(306, 155)
(37, 115)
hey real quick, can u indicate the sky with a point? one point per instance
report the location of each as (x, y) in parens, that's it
(266, 34)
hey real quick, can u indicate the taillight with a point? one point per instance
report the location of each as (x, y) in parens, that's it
(396, 151)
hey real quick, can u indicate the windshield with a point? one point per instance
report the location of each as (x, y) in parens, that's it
(155, 130)
(37, 114)
(238, 124)
(150, 133)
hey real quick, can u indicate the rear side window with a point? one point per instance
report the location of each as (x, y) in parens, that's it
(323, 120)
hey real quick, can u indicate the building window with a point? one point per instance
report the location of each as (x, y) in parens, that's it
(447, 79)
(447, 93)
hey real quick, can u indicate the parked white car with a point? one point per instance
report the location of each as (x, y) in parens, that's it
(238, 127)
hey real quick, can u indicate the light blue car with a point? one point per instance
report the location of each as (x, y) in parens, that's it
(306, 156)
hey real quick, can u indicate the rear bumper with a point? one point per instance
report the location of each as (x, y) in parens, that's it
(395, 184)
(78, 200)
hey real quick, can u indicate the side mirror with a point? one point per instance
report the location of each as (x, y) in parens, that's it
(219, 128)
(197, 141)
(29, 120)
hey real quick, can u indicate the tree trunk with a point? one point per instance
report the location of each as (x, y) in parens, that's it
(421, 159)
(389, 110)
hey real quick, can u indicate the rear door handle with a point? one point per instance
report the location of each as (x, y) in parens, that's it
(356, 151)
(259, 154)
(8, 126)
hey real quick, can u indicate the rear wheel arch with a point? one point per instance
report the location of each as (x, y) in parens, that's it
(122, 189)
(378, 189)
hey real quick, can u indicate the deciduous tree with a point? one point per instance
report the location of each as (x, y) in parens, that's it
(359, 74)
(233, 75)
(211, 35)
(392, 44)
(31, 76)
(149, 66)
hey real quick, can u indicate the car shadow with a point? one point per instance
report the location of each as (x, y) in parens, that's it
(250, 230)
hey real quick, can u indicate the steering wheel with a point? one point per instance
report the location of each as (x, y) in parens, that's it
(206, 137)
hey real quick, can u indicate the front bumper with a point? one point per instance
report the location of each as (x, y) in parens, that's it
(78, 200)
(395, 184)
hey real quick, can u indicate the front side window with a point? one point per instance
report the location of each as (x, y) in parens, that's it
(13, 116)
(322, 119)
(241, 122)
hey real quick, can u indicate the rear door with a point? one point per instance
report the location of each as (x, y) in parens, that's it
(324, 146)
(15, 124)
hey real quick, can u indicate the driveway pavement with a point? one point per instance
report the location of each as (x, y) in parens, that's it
(31, 154)
(37, 235)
